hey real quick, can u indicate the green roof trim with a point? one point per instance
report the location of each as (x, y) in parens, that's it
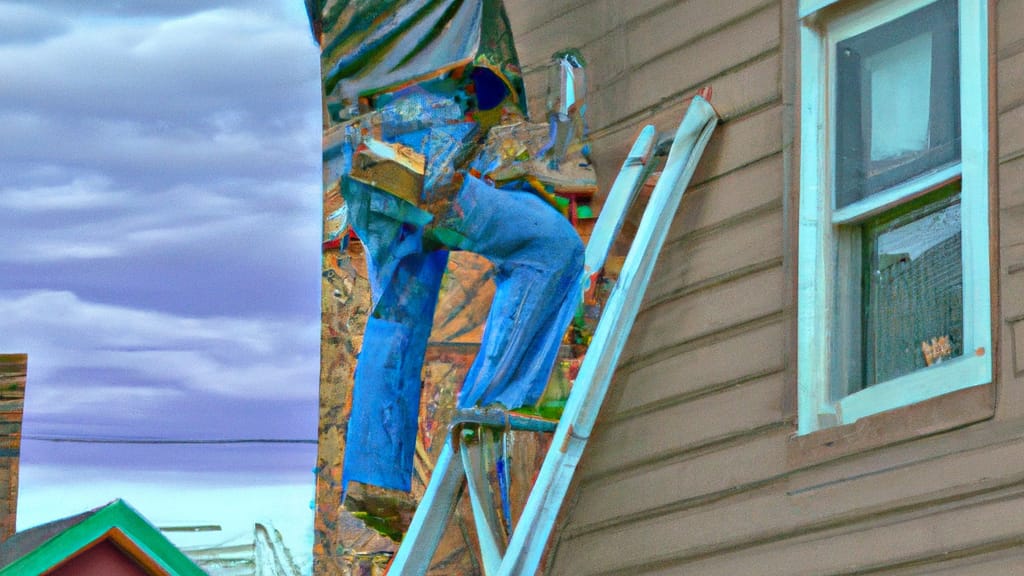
(116, 515)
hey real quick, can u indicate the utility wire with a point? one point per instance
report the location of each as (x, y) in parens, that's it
(178, 441)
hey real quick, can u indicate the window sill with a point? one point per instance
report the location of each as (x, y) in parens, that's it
(918, 386)
(939, 414)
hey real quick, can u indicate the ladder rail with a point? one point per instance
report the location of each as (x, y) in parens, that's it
(526, 546)
(430, 521)
(488, 527)
(428, 524)
(634, 172)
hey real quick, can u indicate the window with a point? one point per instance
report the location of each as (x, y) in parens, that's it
(893, 291)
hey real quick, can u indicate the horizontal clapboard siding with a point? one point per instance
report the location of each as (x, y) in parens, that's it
(785, 514)
(719, 285)
(1010, 155)
(691, 468)
(647, 385)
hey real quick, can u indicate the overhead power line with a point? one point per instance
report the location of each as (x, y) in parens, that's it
(179, 441)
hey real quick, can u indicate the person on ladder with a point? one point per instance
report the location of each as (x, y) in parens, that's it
(427, 89)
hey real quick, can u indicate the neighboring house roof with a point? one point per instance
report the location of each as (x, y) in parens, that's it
(45, 547)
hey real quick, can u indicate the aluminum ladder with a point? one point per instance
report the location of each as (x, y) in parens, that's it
(525, 548)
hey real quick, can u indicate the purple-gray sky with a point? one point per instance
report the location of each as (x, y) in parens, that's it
(159, 224)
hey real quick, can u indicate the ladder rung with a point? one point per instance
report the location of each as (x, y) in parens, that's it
(500, 418)
(528, 542)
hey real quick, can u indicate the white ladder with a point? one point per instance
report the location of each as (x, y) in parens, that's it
(525, 547)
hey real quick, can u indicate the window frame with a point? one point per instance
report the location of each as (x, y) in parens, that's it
(884, 36)
(822, 24)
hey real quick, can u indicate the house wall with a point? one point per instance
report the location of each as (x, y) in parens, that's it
(13, 368)
(102, 559)
(694, 466)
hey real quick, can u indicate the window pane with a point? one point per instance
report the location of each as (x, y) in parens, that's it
(913, 314)
(897, 102)
(899, 78)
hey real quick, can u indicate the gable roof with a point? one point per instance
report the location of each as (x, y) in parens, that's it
(44, 547)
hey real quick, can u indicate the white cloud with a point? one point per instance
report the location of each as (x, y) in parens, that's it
(83, 192)
(51, 401)
(131, 136)
(100, 221)
(133, 69)
(247, 357)
(159, 207)
(28, 24)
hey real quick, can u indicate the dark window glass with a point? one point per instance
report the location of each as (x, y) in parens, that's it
(913, 287)
(897, 102)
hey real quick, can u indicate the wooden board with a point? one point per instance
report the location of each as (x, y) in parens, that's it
(777, 519)
(677, 429)
(13, 373)
(727, 360)
(698, 261)
(705, 312)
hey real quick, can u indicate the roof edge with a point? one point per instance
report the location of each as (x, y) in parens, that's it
(117, 521)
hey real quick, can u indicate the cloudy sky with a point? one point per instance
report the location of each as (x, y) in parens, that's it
(159, 250)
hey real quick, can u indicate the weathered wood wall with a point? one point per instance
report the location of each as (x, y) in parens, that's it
(694, 467)
(343, 543)
(13, 368)
(1009, 54)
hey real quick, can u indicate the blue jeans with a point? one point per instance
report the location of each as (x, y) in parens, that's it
(538, 260)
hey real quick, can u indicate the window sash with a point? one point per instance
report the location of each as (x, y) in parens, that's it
(920, 297)
(883, 201)
(850, 133)
(807, 7)
(819, 227)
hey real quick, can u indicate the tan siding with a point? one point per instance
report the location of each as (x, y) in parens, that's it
(663, 34)
(1011, 217)
(546, 26)
(680, 482)
(649, 83)
(583, 24)
(1011, 330)
(1011, 183)
(929, 540)
(730, 359)
(742, 142)
(692, 469)
(1009, 26)
(1017, 339)
(716, 202)
(615, 36)
(999, 563)
(529, 15)
(705, 312)
(1011, 223)
(1011, 81)
(1011, 244)
(793, 513)
(676, 429)
(1011, 134)
(739, 91)
(1010, 85)
(1013, 289)
(693, 262)
(685, 399)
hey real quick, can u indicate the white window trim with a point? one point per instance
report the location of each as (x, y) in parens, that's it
(817, 256)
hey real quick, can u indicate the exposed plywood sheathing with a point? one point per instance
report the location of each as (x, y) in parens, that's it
(13, 368)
